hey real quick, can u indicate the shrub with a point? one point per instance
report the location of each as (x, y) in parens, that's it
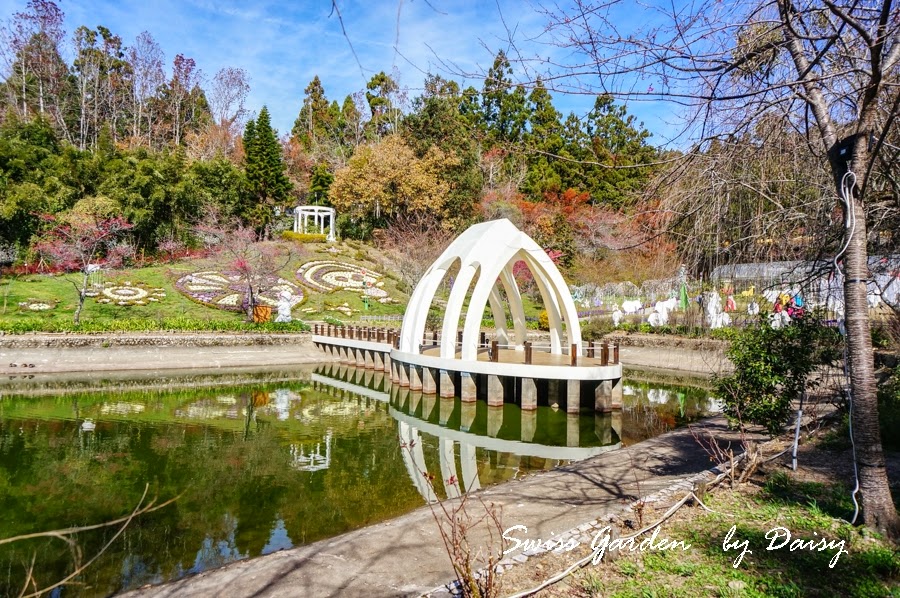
(544, 320)
(889, 411)
(303, 237)
(772, 368)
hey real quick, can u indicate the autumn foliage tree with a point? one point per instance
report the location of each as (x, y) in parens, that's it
(81, 242)
(237, 249)
(385, 180)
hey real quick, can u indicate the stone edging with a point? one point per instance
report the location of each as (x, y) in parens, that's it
(170, 339)
(631, 339)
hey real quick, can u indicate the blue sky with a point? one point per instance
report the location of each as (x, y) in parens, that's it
(282, 45)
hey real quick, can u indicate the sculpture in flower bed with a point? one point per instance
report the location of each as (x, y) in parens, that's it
(227, 290)
(127, 293)
(329, 275)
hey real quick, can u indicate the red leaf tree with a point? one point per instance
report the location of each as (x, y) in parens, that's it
(79, 243)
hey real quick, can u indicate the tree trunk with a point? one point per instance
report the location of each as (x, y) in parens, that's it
(877, 506)
(82, 293)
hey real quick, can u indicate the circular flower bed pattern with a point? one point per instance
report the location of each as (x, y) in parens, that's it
(35, 305)
(224, 290)
(328, 275)
(128, 293)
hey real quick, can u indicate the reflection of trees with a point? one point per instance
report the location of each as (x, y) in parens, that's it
(236, 487)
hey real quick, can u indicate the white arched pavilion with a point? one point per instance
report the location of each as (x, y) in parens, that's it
(319, 214)
(486, 254)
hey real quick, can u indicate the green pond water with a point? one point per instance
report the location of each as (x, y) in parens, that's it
(265, 465)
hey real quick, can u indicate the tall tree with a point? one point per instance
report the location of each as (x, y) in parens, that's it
(146, 58)
(503, 106)
(317, 120)
(436, 121)
(37, 77)
(831, 68)
(264, 167)
(381, 96)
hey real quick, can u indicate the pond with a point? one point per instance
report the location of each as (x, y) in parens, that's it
(265, 465)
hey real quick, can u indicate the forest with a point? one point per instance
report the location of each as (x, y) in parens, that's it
(118, 130)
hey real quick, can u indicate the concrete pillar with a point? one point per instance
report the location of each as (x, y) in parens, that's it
(403, 370)
(467, 416)
(603, 396)
(495, 391)
(387, 363)
(616, 422)
(415, 378)
(529, 425)
(378, 380)
(448, 389)
(617, 394)
(378, 360)
(446, 410)
(573, 396)
(415, 400)
(361, 358)
(395, 372)
(367, 378)
(603, 428)
(553, 392)
(529, 394)
(428, 402)
(468, 390)
(572, 431)
(429, 384)
(370, 359)
(494, 420)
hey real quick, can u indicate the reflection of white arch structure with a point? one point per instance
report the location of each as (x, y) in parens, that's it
(302, 214)
(486, 254)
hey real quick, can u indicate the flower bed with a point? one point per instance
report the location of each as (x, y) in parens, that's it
(127, 293)
(226, 290)
(37, 305)
(330, 275)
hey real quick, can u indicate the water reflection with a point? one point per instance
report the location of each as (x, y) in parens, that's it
(268, 466)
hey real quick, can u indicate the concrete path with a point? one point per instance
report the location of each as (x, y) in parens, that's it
(405, 556)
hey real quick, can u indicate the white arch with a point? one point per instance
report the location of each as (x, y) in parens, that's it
(486, 254)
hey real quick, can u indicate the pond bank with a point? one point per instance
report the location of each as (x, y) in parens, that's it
(32, 354)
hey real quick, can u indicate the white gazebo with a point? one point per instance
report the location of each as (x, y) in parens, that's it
(319, 214)
(486, 254)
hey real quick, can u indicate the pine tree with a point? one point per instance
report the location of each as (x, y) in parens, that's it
(264, 167)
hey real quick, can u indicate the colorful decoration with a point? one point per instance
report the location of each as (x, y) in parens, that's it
(127, 293)
(226, 290)
(35, 305)
(329, 275)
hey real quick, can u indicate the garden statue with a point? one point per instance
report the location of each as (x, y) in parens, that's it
(715, 317)
(617, 317)
(284, 307)
(753, 308)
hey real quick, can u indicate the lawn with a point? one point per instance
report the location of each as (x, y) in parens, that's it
(172, 309)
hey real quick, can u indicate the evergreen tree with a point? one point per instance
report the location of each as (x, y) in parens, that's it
(544, 139)
(319, 184)
(264, 168)
(316, 121)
